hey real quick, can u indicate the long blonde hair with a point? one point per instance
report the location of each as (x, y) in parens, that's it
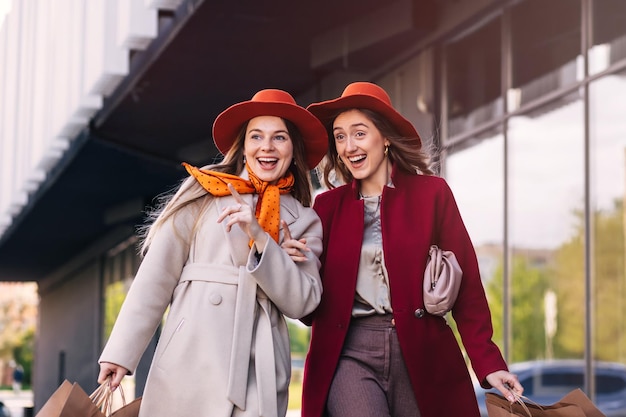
(189, 190)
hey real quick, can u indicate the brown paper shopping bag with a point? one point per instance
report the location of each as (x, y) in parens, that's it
(69, 400)
(574, 404)
(129, 410)
(103, 398)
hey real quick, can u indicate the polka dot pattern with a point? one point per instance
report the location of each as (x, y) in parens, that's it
(267, 209)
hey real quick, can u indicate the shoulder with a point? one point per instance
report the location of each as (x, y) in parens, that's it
(430, 183)
(329, 196)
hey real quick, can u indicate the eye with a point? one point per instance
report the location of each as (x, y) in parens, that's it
(360, 134)
(339, 137)
(281, 138)
(256, 136)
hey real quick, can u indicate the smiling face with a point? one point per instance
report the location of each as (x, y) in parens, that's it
(268, 147)
(361, 147)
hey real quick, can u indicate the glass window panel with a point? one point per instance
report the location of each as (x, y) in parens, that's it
(609, 34)
(608, 189)
(546, 44)
(475, 172)
(546, 183)
(411, 89)
(120, 267)
(473, 78)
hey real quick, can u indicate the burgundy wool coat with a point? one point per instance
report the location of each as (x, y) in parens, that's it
(418, 211)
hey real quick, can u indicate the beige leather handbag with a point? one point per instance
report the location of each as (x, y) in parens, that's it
(442, 279)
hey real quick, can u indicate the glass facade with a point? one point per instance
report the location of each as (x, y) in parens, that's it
(607, 127)
(533, 131)
(118, 271)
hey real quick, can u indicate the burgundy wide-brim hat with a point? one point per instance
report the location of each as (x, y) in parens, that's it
(365, 95)
(272, 102)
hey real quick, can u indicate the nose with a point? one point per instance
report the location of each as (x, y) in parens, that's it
(350, 144)
(267, 144)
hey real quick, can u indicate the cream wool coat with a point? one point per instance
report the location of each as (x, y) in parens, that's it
(224, 350)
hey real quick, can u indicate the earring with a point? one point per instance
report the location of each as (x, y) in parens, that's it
(244, 159)
(386, 150)
(339, 160)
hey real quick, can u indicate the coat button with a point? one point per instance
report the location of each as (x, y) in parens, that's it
(419, 313)
(215, 298)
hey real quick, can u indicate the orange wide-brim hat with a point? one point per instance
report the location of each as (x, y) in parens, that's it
(365, 95)
(272, 102)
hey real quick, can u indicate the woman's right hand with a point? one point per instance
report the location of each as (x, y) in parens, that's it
(115, 372)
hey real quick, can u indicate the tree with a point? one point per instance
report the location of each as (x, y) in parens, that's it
(608, 290)
(18, 317)
(530, 283)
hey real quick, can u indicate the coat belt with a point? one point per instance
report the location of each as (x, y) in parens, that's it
(245, 311)
(265, 370)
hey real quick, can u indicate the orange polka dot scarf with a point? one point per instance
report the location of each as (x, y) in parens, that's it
(268, 206)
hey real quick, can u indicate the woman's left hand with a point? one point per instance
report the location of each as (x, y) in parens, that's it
(507, 383)
(242, 214)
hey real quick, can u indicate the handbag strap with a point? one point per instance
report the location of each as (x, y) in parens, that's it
(435, 264)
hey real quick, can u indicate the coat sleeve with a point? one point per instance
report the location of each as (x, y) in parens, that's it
(294, 287)
(151, 291)
(471, 310)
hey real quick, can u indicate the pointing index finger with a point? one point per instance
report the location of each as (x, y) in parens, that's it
(235, 194)
(286, 230)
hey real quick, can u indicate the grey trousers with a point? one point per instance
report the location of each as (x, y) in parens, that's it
(371, 378)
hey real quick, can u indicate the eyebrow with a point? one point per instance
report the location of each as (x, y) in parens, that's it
(276, 131)
(353, 125)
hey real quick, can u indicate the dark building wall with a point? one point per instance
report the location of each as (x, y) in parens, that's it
(68, 339)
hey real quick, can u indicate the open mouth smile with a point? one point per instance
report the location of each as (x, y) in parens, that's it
(267, 163)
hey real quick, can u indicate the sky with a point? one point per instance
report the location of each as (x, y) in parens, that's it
(4, 7)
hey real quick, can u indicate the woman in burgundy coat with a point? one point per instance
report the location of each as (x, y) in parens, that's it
(375, 351)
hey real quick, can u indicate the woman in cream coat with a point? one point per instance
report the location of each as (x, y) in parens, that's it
(230, 253)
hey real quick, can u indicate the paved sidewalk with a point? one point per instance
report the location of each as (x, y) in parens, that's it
(16, 402)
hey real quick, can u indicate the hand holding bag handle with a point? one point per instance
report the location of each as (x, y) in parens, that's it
(102, 397)
(574, 404)
(442, 280)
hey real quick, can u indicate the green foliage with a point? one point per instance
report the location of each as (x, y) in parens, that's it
(24, 354)
(608, 290)
(529, 286)
(114, 296)
(299, 337)
(564, 274)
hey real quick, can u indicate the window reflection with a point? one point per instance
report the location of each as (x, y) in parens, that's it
(608, 189)
(119, 269)
(609, 34)
(546, 207)
(411, 89)
(545, 42)
(475, 172)
(473, 79)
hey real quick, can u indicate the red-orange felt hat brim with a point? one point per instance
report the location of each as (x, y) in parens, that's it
(228, 124)
(362, 95)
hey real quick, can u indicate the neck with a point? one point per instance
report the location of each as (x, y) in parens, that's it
(374, 185)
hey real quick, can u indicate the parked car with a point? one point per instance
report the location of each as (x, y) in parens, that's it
(4, 410)
(546, 382)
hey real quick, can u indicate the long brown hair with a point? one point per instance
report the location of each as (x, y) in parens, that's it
(402, 151)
